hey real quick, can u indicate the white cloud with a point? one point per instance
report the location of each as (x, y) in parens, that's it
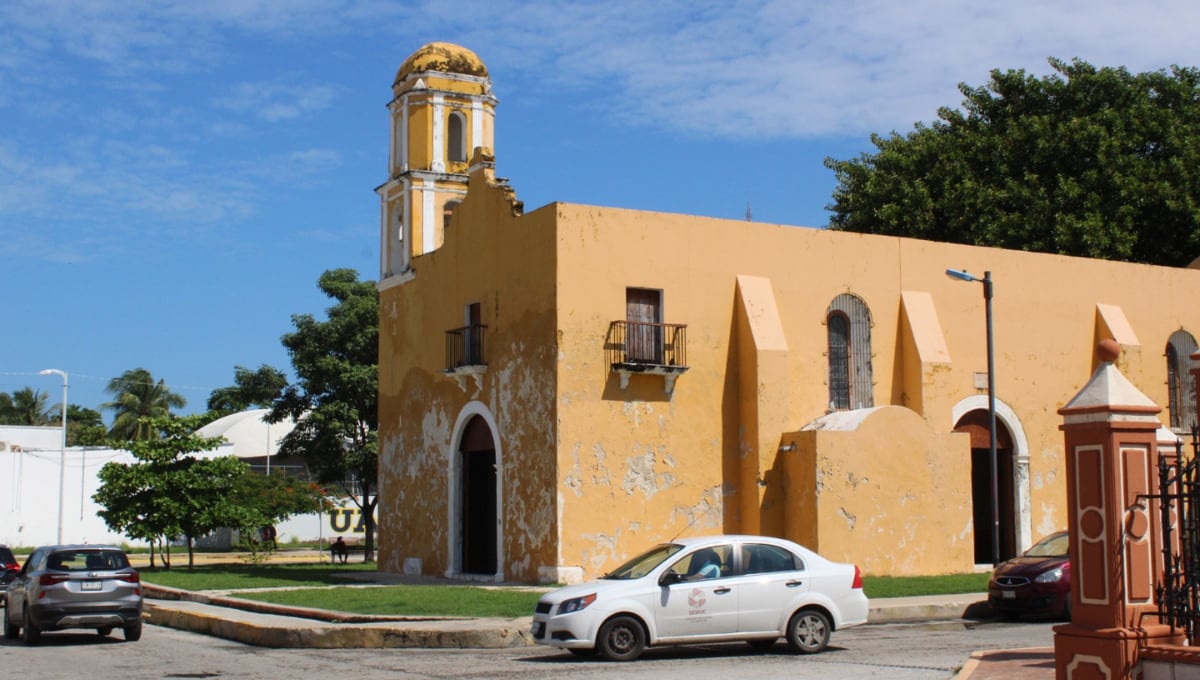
(276, 101)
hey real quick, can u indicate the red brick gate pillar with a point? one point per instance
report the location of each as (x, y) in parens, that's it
(1110, 429)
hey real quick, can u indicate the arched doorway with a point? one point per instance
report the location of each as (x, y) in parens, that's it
(477, 498)
(975, 423)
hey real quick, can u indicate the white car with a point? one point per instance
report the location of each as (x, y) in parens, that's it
(710, 589)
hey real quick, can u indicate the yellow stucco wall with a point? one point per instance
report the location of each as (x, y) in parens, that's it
(637, 467)
(507, 265)
(883, 477)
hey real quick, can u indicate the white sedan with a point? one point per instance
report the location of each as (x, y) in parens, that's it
(710, 589)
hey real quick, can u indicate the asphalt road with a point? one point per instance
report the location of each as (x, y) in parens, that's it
(893, 651)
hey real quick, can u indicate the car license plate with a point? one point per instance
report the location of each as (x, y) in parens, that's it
(91, 585)
(1008, 594)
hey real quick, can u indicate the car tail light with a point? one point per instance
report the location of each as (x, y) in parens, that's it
(857, 584)
(51, 579)
(129, 577)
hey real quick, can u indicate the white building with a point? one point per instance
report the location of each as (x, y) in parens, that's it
(33, 466)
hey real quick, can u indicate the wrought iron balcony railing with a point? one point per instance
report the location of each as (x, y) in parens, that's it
(464, 347)
(640, 347)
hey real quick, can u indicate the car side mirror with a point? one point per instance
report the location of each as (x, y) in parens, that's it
(670, 578)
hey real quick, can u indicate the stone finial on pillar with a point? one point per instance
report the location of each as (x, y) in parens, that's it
(1111, 433)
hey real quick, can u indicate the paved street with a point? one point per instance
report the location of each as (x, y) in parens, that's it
(894, 651)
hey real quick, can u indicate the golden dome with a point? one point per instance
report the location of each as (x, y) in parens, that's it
(444, 57)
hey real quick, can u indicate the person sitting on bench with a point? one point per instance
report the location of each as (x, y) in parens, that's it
(339, 551)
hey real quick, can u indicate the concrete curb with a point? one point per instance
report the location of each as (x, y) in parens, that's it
(269, 630)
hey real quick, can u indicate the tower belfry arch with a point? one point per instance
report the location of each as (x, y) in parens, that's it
(442, 108)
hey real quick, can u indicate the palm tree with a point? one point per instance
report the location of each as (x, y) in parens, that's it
(135, 396)
(28, 407)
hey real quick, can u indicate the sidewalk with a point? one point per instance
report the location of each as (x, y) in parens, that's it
(268, 625)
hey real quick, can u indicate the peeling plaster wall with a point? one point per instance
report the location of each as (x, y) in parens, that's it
(505, 263)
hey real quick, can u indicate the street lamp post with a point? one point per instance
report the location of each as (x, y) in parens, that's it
(62, 452)
(991, 389)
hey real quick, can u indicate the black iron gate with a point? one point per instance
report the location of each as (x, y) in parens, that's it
(1178, 595)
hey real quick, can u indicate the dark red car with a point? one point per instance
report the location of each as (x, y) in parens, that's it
(1038, 582)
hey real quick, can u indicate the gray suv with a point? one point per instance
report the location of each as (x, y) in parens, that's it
(74, 586)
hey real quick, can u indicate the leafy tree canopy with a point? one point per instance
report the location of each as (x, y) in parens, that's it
(1094, 162)
(251, 389)
(137, 403)
(334, 400)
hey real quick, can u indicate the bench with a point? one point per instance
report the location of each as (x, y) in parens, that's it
(353, 544)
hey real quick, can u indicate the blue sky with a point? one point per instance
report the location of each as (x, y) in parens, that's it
(174, 176)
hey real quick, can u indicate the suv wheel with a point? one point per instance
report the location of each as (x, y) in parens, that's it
(133, 632)
(11, 632)
(33, 634)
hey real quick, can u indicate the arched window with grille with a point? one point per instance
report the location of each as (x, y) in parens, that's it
(848, 327)
(1181, 386)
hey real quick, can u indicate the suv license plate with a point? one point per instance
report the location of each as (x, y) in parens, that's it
(90, 585)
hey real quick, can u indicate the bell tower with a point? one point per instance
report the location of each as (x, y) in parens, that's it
(442, 108)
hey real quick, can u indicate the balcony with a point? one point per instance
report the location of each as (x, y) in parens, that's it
(464, 350)
(647, 348)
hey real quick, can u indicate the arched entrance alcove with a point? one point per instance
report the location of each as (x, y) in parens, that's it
(1012, 466)
(475, 496)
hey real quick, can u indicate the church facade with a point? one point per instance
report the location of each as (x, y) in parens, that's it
(562, 388)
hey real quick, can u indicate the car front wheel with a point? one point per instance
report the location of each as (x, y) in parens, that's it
(808, 631)
(621, 639)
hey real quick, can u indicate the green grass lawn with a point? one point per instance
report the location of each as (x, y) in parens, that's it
(233, 576)
(410, 600)
(909, 586)
(310, 587)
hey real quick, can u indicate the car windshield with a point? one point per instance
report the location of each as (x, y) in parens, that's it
(1054, 545)
(645, 563)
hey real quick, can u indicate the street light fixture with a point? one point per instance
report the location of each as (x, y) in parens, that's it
(962, 275)
(62, 452)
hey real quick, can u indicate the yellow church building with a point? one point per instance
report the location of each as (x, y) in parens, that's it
(560, 389)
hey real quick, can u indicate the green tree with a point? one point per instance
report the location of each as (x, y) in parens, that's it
(1094, 162)
(137, 402)
(26, 406)
(335, 398)
(169, 492)
(85, 427)
(251, 389)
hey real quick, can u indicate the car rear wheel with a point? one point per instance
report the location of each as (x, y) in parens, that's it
(808, 631)
(11, 632)
(621, 639)
(33, 634)
(133, 632)
(104, 631)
